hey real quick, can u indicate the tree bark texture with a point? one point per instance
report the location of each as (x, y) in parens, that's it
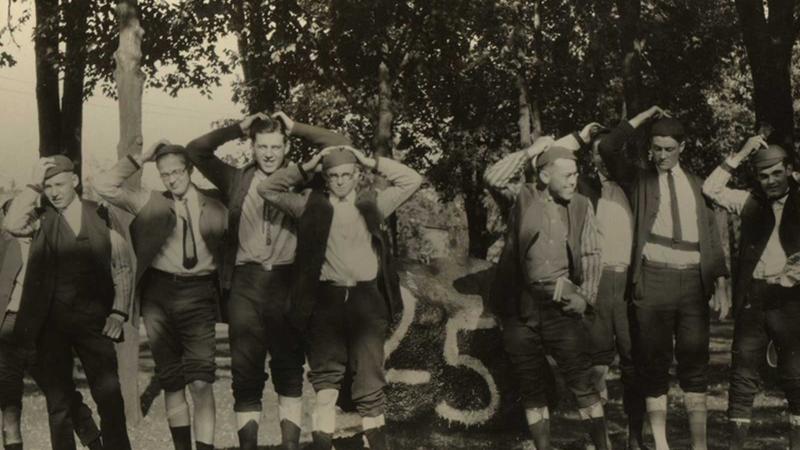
(76, 14)
(383, 131)
(45, 41)
(769, 42)
(130, 84)
(630, 44)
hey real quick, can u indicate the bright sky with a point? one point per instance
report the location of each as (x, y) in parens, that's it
(178, 119)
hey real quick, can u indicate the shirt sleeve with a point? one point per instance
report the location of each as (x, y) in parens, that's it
(20, 220)
(110, 185)
(591, 257)
(277, 190)
(503, 178)
(403, 180)
(716, 188)
(122, 274)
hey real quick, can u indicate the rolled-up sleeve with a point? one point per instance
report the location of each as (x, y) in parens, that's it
(591, 257)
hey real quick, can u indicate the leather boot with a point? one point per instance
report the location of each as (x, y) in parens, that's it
(540, 432)
(598, 432)
(248, 436)
(290, 435)
(377, 438)
(321, 440)
(737, 434)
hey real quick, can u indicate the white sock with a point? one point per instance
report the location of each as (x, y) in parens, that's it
(594, 411)
(324, 415)
(369, 423)
(536, 415)
(291, 409)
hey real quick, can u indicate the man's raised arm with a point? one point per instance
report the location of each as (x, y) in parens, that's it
(110, 184)
(20, 221)
(201, 153)
(716, 185)
(620, 167)
(498, 177)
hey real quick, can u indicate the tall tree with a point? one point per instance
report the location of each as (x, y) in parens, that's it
(770, 29)
(130, 84)
(631, 44)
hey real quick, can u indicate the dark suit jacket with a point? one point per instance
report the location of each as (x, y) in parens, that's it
(642, 188)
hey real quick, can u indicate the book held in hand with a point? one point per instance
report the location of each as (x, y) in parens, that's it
(564, 287)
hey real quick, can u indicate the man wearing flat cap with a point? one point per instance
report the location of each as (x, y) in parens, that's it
(15, 357)
(177, 235)
(258, 260)
(76, 296)
(765, 299)
(551, 241)
(677, 263)
(346, 289)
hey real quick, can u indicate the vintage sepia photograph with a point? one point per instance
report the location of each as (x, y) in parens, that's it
(399, 224)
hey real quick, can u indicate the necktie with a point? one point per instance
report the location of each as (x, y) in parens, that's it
(189, 248)
(673, 201)
(266, 213)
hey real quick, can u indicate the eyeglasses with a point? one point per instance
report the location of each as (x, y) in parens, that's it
(346, 176)
(173, 174)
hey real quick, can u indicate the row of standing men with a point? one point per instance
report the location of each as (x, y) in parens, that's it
(640, 252)
(268, 233)
(641, 249)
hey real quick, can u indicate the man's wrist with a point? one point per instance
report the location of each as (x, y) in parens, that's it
(35, 187)
(119, 315)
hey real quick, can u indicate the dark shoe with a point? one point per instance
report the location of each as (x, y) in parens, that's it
(181, 437)
(96, 444)
(203, 446)
(598, 432)
(635, 434)
(794, 437)
(321, 440)
(17, 446)
(737, 434)
(377, 438)
(290, 435)
(248, 436)
(540, 432)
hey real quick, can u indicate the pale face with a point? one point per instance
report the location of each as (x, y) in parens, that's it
(60, 189)
(665, 152)
(269, 151)
(775, 180)
(174, 174)
(561, 178)
(342, 179)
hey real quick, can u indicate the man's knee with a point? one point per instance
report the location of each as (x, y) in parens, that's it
(199, 388)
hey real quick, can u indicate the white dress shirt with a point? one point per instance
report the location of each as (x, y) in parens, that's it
(170, 258)
(349, 256)
(615, 224)
(687, 209)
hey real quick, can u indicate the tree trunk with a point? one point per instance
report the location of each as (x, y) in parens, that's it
(477, 220)
(383, 131)
(524, 121)
(536, 85)
(45, 40)
(769, 43)
(76, 14)
(630, 44)
(130, 83)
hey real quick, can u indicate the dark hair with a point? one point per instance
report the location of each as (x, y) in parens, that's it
(598, 136)
(269, 125)
(182, 155)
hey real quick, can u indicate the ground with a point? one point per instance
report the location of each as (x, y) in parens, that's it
(769, 428)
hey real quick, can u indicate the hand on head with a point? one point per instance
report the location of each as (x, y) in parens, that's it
(149, 154)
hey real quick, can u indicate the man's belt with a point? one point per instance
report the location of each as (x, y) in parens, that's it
(619, 268)
(181, 278)
(266, 267)
(346, 283)
(674, 243)
(672, 266)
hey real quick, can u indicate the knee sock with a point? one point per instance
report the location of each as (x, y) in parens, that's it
(290, 411)
(657, 412)
(324, 415)
(697, 410)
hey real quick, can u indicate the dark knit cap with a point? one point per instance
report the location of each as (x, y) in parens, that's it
(338, 156)
(552, 154)
(768, 157)
(668, 127)
(61, 164)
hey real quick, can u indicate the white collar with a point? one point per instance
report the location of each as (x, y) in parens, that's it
(349, 198)
(676, 170)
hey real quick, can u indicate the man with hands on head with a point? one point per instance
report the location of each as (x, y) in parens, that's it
(677, 265)
(177, 235)
(257, 264)
(551, 237)
(76, 297)
(346, 289)
(765, 299)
